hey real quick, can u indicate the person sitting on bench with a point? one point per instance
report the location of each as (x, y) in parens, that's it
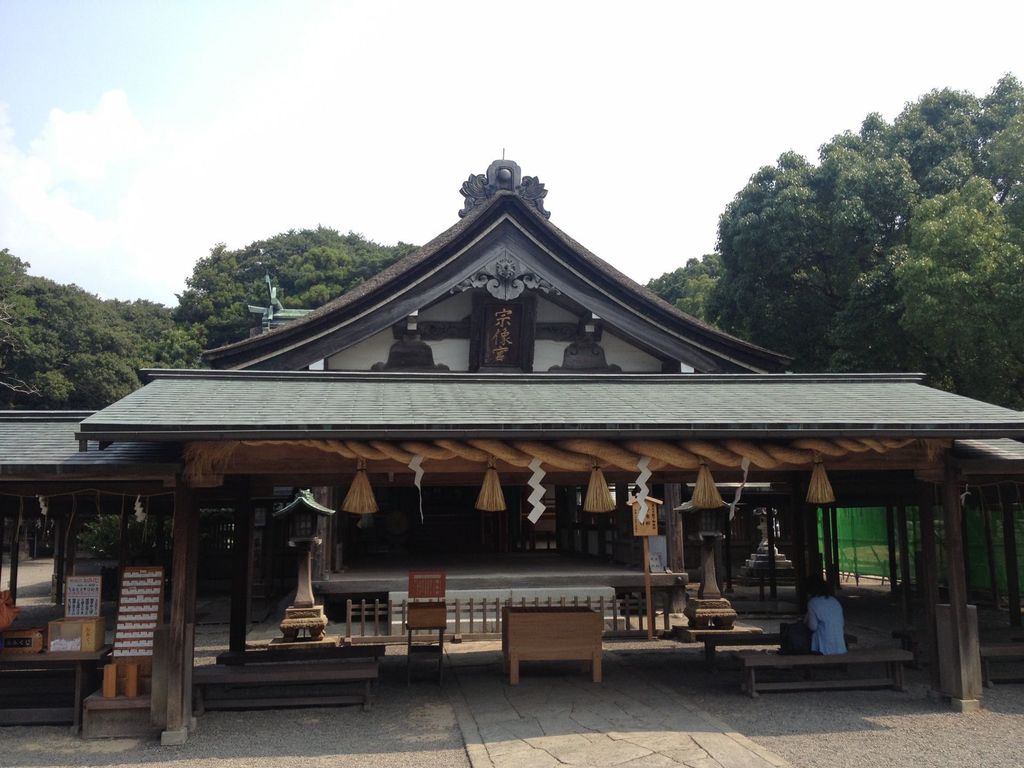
(824, 618)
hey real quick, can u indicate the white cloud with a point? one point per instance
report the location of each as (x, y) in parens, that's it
(369, 116)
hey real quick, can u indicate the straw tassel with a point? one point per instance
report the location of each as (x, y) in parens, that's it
(705, 493)
(598, 499)
(359, 500)
(491, 498)
(819, 491)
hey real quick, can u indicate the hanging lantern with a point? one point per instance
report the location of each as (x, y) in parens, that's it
(359, 500)
(599, 498)
(705, 493)
(819, 491)
(491, 498)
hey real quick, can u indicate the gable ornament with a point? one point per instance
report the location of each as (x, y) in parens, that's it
(503, 175)
(506, 280)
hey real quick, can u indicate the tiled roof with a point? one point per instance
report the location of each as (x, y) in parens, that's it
(45, 442)
(1004, 449)
(181, 405)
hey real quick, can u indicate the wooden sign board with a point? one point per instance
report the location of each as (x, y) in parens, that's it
(426, 585)
(82, 596)
(140, 609)
(649, 527)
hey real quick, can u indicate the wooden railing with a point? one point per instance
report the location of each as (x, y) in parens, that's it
(480, 619)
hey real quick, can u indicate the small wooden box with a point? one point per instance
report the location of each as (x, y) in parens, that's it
(426, 615)
(76, 635)
(19, 642)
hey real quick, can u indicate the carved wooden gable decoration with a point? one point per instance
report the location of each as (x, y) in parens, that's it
(503, 290)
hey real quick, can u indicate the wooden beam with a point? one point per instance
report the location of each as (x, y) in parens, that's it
(1010, 556)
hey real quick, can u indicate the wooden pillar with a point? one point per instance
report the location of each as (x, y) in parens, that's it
(1010, 556)
(772, 579)
(826, 544)
(58, 558)
(890, 535)
(965, 687)
(3, 530)
(834, 518)
(930, 577)
(727, 552)
(15, 551)
(241, 572)
(122, 544)
(966, 550)
(673, 497)
(990, 549)
(798, 513)
(179, 693)
(905, 581)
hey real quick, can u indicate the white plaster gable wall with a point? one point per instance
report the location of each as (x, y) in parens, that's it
(618, 351)
(451, 352)
(549, 312)
(362, 356)
(547, 353)
(455, 307)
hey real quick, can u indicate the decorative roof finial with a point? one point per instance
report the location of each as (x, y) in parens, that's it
(503, 176)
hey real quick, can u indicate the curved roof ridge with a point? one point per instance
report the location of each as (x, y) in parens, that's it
(389, 275)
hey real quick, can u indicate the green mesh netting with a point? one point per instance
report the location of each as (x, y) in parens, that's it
(864, 549)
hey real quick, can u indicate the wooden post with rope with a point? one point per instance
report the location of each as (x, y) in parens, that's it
(645, 529)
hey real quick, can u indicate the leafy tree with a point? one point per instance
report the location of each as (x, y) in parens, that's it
(66, 348)
(866, 260)
(690, 286)
(310, 267)
(962, 285)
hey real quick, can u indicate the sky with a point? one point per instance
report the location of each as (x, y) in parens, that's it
(135, 136)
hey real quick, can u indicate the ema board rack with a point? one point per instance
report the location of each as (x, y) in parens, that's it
(139, 611)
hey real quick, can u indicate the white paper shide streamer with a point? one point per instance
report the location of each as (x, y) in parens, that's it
(642, 491)
(739, 491)
(416, 465)
(538, 491)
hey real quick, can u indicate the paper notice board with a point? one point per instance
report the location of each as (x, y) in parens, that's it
(82, 595)
(139, 611)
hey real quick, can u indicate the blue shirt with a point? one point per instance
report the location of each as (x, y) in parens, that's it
(825, 620)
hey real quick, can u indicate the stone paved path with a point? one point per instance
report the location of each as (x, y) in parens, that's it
(557, 716)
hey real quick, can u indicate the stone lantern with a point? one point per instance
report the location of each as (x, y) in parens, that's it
(709, 610)
(303, 515)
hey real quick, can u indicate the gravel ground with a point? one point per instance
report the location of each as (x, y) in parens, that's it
(416, 726)
(407, 727)
(846, 729)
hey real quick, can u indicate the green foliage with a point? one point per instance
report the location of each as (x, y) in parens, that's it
(689, 287)
(310, 267)
(901, 249)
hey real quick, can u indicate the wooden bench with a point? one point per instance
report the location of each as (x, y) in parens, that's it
(288, 684)
(1013, 651)
(769, 639)
(271, 655)
(892, 658)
